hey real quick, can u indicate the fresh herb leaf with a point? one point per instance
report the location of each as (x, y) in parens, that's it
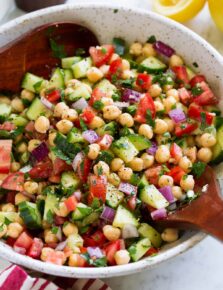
(54, 230)
(57, 49)
(95, 203)
(105, 156)
(135, 179)
(149, 118)
(103, 50)
(132, 109)
(195, 64)
(196, 91)
(98, 105)
(80, 51)
(116, 96)
(83, 125)
(49, 217)
(100, 170)
(85, 211)
(163, 79)
(119, 45)
(126, 83)
(198, 168)
(19, 130)
(203, 121)
(37, 86)
(7, 221)
(151, 39)
(1, 228)
(164, 170)
(100, 262)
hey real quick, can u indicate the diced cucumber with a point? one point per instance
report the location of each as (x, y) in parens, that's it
(68, 75)
(217, 150)
(138, 250)
(106, 86)
(57, 79)
(146, 231)
(67, 62)
(88, 220)
(213, 109)
(110, 128)
(139, 141)
(113, 196)
(190, 73)
(80, 91)
(51, 202)
(151, 196)
(32, 82)
(37, 109)
(30, 215)
(143, 182)
(70, 179)
(151, 65)
(74, 241)
(11, 216)
(218, 122)
(24, 158)
(81, 212)
(5, 110)
(80, 68)
(124, 217)
(124, 149)
(75, 136)
(18, 120)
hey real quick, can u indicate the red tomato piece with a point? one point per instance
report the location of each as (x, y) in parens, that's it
(145, 103)
(176, 173)
(197, 79)
(24, 241)
(59, 220)
(30, 127)
(55, 178)
(94, 240)
(53, 96)
(184, 129)
(41, 170)
(101, 55)
(195, 111)
(152, 251)
(56, 257)
(110, 250)
(207, 97)
(10, 197)
(36, 248)
(185, 96)
(10, 241)
(98, 186)
(14, 181)
(83, 169)
(71, 203)
(5, 155)
(60, 166)
(152, 174)
(87, 115)
(8, 126)
(115, 69)
(175, 152)
(105, 141)
(144, 81)
(96, 95)
(181, 74)
(132, 202)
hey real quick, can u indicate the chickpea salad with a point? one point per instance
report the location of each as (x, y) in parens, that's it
(91, 158)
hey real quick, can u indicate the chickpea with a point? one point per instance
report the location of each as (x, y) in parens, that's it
(136, 164)
(97, 122)
(94, 74)
(19, 197)
(146, 131)
(207, 140)
(27, 95)
(3, 230)
(22, 147)
(125, 173)
(111, 112)
(158, 106)
(104, 69)
(42, 124)
(160, 127)
(116, 164)
(31, 187)
(107, 101)
(122, 257)
(51, 138)
(45, 253)
(113, 57)
(175, 60)
(185, 164)
(70, 115)
(114, 179)
(70, 229)
(170, 235)
(111, 233)
(93, 152)
(191, 153)
(17, 105)
(190, 141)
(165, 180)
(101, 168)
(187, 182)
(162, 154)
(169, 103)
(170, 124)
(173, 93)
(59, 109)
(61, 210)
(14, 230)
(148, 160)
(15, 166)
(127, 74)
(136, 49)
(64, 126)
(76, 260)
(5, 100)
(155, 90)
(33, 144)
(204, 154)
(8, 207)
(198, 140)
(49, 237)
(177, 192)
(126, 120)
(148, 50)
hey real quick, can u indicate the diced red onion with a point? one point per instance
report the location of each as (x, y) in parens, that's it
(90, 135)
(61, 246)
(167, 193)
(129, 231)
(80, 104)
(108, 214)
(177, 115)
(95, 252)
(46, 103)
(59, 234)
(153, 148)
(40, 152)
(127, 188)
(77, 160)
(159, 214)
(25, 169)
(19, 250)
(131, 96)
(121, 105)
(77, 194)
(163, 48)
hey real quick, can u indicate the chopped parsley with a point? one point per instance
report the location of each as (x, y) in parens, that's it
(37, 86)
(57, 49)
(149, 118)
(103, 50)
(7, 221)
(80, 51)
(126, 83)
(164, 170)
(100, 170)
(49, 217)
(93, 261)
(119, 45)
(196, 91)
(203, 121)
(198, 168)
(98, 105)
(116, 96)
(83, 125)
(54, 230)
(151, 39)
(195, 64)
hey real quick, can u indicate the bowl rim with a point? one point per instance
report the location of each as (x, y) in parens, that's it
(187, 243)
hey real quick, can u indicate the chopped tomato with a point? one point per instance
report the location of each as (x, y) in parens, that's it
(176, 173)
(71, 203)
(185, 96)
(115, 69)
(14, 181)
(83, 169)
(59, 220)
(110, 250)
(55, 178)
(101, 55)
(105, 141)
(5, 155)
(152, 174)
(56, 257)
(181, 74)
(41, 170)
(94, 240)
(53, 96)
(30, 127)
(197, 79)
(36, 248)
(152, 251)
(98, 186)
(10, 241)
(207, 97)
(24, 241)
(145, 103)
(184, 129)
(60, 166)
(8, 126)
(175, 152)
(10, 197)
(87, 115)
(132, 202)
(144, 81)
(96, 95)
(195, 112)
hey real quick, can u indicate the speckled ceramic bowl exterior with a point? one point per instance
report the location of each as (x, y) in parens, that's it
(109, 21)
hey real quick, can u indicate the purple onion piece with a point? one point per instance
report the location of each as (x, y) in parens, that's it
(77, 160)
(108, 214)
(40, 152)
(159, 214)
(167, 193)
(80, 104)
(163, 48)
(131, 96)
(95, 252)
(46, 103)
(121, 105)
(61, 246)
(177, 115)
(128, 188)
(90, 135)
(153, 148)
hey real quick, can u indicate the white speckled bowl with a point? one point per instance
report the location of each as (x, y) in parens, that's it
(130, 24)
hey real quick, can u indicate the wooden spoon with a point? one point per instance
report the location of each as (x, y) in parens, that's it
(32, 51)
(204, 213)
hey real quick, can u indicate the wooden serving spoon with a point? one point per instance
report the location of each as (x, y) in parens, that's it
(32, 51)
(204, 213)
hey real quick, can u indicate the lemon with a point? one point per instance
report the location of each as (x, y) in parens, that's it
(179, 10)
(216, 9)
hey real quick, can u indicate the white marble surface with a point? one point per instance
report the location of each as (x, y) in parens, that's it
(201, 267)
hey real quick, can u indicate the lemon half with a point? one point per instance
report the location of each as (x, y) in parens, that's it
(216, 9)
